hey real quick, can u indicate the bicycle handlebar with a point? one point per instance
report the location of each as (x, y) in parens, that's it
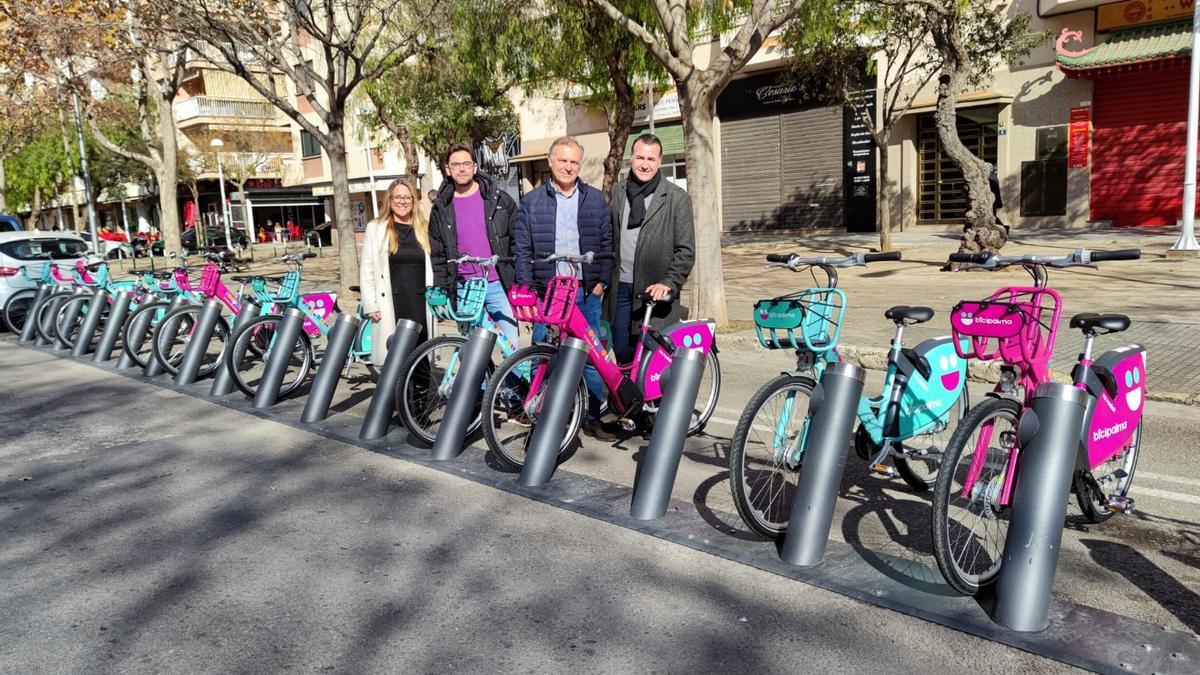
(1081, 257)
(588, 257)
(793, 260)
(490, 261)
(1121, 254)
(978, 258)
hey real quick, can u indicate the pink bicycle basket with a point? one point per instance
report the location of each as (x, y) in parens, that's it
(1017, 325)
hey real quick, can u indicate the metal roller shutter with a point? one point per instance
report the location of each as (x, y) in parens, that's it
(783, 171)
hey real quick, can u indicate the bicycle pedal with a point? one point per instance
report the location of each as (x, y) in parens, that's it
(884, 470)
(1120, 505)
(626, 423)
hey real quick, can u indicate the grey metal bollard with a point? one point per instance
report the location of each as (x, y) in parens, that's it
(277, 361)
(541, 455)
(153, 368)
(59, 345)
(383, 399)
(831, 414)
(137, 335)
(464, 395)
(113, 326)
(28, 331)
(1049, 435)
(197, 346)
(652, 491)
(91, 321)
(223, 380)
(316, 408)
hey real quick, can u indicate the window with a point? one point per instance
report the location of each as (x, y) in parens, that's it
(309, 147)
(43, 249)
(942, 191)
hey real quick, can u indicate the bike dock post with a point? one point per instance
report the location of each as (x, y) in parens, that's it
(223, 380)
(58, 344)
(541, 456)
(656, 477)
(277, 361)
(464, 394)
(337, 349)
(1048, 434)
(383, 399)
(153, 367)
(197, 346)
(112, 327)
(28, 331)
(831, 413)
(91, 321)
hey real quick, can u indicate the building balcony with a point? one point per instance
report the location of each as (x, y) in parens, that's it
(259, 164)
(1052, 7)
(211, 110)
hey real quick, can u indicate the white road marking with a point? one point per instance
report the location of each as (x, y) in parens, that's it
(1139, 491)
(1163, 477)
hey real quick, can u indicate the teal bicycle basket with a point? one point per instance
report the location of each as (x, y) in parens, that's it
(810, 320)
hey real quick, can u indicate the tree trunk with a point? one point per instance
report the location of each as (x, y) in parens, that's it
(885, 201)
(412, 164)
(620, 123)
(36, 213)
(3, 188)
(342, 216)
(62, 125)
(168, 178)
(708, 280)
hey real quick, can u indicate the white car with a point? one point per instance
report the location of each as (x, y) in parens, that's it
(31, 249)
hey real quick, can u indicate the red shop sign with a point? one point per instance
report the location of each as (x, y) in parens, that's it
(1079, 138)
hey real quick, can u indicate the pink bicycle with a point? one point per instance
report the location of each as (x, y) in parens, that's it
(1018, 325)
(514, 395)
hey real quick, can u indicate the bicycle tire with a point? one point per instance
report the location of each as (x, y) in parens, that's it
(251, 347)
(507, 442)
(69, 319)
(183, 319)
(141, 352)
(910, 470)
(419, 413)
(44, 318)
(17, 308)
(763, 496)
(953, 540)
(1085, 496)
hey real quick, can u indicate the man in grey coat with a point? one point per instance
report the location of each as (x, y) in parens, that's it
(654, 242)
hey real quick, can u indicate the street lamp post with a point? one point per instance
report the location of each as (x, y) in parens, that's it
(1187, 234)
(218, 144)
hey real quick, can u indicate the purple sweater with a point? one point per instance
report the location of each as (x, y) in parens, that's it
(472, 233)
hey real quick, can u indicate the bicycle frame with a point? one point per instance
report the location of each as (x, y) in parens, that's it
(470, 313)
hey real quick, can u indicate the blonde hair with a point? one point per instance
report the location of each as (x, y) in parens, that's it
(419, 224)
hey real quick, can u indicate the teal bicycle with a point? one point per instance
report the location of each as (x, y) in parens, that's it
(910, 422)
(254, 342)
(423, 391)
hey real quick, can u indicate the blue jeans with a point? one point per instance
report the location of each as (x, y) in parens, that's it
(622, 343)
(496, 304)
(589, 304)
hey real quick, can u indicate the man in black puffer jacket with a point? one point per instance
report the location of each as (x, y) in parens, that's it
(568, 216)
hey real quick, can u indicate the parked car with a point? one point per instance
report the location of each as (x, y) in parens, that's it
(110, 248)
(216, 238)
(24, 248)
(10, 224)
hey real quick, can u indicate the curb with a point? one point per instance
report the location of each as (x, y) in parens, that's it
(988, 372)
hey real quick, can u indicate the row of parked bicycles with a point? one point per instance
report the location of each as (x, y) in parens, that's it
(920, 426)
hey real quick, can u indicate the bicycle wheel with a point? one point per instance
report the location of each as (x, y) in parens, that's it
(513, 402)
(706, 398)
(970, 526)
(423, 391)
(252, 347)
(69, 319)
(922, 454)
(1117, 471)
(174, 333)
(17, 308)
(137, 335)
(762, 473)
(46, 314)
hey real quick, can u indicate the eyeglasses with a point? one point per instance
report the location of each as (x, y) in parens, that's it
(402, 200)
(461, 165)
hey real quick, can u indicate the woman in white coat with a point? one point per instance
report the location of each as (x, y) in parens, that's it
(395, 268)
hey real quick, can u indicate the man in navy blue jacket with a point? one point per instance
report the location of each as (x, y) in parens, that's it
(568, 216)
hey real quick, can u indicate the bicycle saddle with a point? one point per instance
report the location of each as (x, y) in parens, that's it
(1100, 324)
(645, 297)
(909, 315)
(354, 289)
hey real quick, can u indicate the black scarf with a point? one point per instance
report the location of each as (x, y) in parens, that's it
(637, 192)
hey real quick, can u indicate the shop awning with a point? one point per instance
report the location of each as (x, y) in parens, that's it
(1158, 44)
(971, 99)
(670, 134)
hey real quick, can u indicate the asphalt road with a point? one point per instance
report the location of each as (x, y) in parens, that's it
(145, 531)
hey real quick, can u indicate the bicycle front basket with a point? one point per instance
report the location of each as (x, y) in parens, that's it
(210, 279)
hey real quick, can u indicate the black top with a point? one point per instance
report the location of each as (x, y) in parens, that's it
(407, 267)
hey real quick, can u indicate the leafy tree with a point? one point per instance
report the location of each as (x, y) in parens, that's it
(37, 172)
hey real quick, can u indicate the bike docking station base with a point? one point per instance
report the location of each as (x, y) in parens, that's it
(329, 372)
(1049, 433)
(197, 346)
(29, 330)
(541, 456)
(1082, 636)
(222, 384)
(655, 479)
(383, 399)
(113, 326)
(473, 360)
(89, 324)
(278, 357)
(832, 411)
